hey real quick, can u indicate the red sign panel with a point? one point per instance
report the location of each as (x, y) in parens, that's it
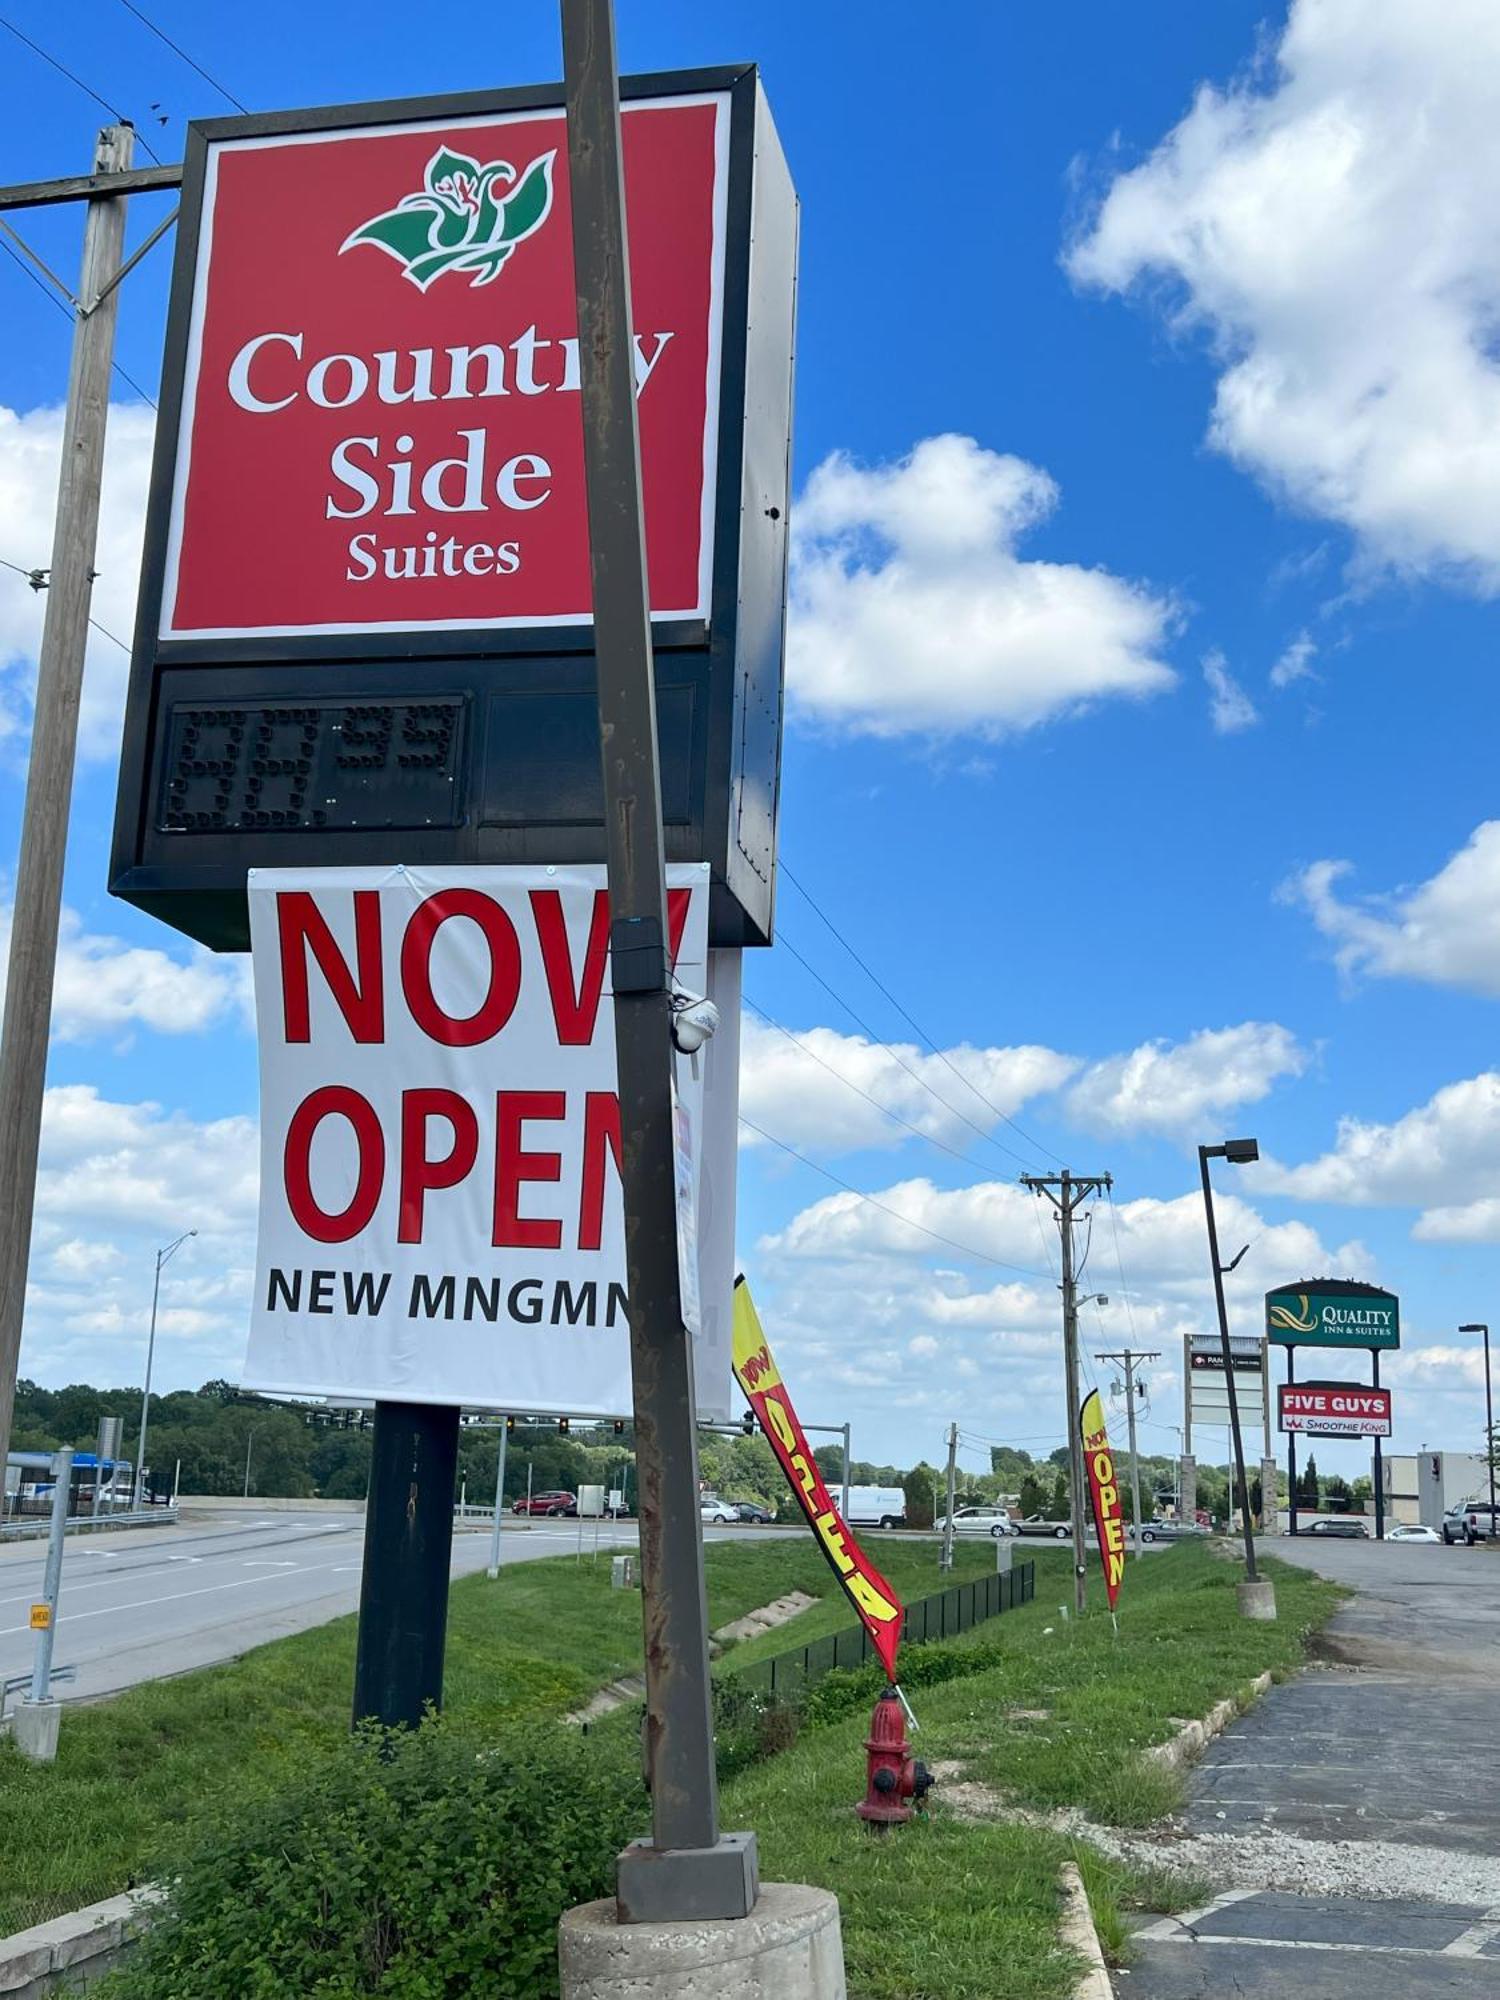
(1334, 1409)
(381, 423)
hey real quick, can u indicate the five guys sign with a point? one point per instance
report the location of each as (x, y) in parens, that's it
(1334, 1409)
(364, 627)
(440, 1208)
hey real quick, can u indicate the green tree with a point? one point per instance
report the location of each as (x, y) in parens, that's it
(1058, 1511)
(920, 1485)
(1009, 1466)
(1033, 1496)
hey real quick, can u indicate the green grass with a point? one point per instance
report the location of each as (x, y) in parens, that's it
(535, 1644)
(961, 1909)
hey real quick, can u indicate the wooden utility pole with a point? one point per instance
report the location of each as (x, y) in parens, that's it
(54, 731)
(1130, 1361)
(1067, 1192)
(945, 1560)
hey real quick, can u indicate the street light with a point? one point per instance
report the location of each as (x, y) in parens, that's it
(1478, 1326)
(162, 1257)
(1257, 1594)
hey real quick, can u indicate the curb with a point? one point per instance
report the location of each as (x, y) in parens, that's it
(1076, 1927)
(1193, 1738)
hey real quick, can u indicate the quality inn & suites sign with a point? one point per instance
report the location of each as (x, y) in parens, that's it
(1333, 1312)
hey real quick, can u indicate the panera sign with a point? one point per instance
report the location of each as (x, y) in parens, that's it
(1333, 1313)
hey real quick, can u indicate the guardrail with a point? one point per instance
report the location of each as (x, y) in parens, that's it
(942, 1616)
(34, 1527)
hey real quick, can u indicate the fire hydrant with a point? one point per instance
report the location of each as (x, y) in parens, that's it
(893, 1775)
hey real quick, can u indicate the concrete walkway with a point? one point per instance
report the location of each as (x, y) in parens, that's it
(1377, 1772)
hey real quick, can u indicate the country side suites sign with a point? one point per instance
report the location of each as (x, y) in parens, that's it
(1333, 1312)
(384, 349)
(365, 629)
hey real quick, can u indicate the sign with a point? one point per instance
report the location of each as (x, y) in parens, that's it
(1208, 1385)
(441, 1217)
(365, 622)
(1244, 1357)
(1334, 1409)
(41, 1617)
(878, 1606)
(1333, 1312)
(1104, 1493)
(380, 424)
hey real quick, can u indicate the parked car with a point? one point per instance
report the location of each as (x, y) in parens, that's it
(750, 1510)
(1164, 1530)
(1411, 1532)
(547, 1503)
(1038, 1524)
(1346, 1527)
(994, 1521)
(1470, 1521)
(874, 1506)
(715, 1511)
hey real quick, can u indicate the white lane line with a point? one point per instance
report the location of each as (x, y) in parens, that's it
(139, 1604)
(1171, 1928)
(1302, 1944)
(267, 1562)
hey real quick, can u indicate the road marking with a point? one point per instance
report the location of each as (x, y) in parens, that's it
(1471, 1943)
(266, 1562)
(142, 1604)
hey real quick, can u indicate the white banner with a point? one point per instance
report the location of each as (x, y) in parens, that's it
(440, 1208)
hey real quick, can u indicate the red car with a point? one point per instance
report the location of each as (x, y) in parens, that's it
(547, 1503)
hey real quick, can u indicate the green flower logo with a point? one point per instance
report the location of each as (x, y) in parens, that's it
(468, 217)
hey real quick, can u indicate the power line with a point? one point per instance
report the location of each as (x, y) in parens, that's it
(885, 1110)
(52, 297)
(964, 1249)
(808, 897)
(896, 1056)
(88, 90)
(1120, 1264)
(145, 21)
(31, 574)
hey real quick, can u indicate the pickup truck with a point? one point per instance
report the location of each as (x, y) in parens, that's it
(1471, 1521)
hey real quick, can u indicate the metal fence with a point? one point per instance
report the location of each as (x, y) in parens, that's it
(942, 1616)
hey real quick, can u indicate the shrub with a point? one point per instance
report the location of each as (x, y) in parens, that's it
(417, 1868)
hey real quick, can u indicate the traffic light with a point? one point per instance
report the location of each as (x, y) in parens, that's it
(510, 1426)
(562, 1426)
(747, 1423)
(619, 1427)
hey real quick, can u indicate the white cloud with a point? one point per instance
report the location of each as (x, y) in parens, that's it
(1230, 709)
(119, 1180)
(1172, 1088)
(1295, 664)
(1331, 220)
(803, 1093)
(30, 453)
(105, 987)
(912, 613)
(1433, 1158)
(1446, 930)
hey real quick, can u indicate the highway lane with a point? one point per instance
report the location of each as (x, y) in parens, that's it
(145, 1604)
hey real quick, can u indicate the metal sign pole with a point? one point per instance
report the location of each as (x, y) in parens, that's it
(686, 1870)
(41, 1672)
(494, 1566)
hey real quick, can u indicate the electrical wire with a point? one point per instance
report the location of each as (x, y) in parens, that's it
(87, 89)
(1120, 1263)
(103, 630)
(771, 1022)
(47, 293)
(896, 1056)
(964, 1249)
(807, 896)
(146, 22)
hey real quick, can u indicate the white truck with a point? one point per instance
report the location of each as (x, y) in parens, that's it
(874, 1506)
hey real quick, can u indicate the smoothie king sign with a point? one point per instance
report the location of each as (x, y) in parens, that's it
(380, 424)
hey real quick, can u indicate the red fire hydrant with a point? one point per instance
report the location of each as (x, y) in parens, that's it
(893, 1775)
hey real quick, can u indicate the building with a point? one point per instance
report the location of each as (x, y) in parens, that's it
(1444, 1478)
(1403, 1500)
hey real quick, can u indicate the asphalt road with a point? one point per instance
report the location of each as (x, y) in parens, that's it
(150, 1602)
(1390, 1742)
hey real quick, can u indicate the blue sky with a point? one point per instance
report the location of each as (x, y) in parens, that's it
(1149, 531)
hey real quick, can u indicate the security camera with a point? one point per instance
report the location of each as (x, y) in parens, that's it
(694, 1020)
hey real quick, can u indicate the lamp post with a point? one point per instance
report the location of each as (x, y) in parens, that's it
(1257, 1594)
(1479, 1326)
(249, 1447)
(162, 1257)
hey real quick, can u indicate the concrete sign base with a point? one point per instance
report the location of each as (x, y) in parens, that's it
(1258, 1600)
(34, 1728)
(788, 1948)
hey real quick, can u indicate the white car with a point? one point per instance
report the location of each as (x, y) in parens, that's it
(1414, 1534)
(718, 1511)
(994, 1521)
